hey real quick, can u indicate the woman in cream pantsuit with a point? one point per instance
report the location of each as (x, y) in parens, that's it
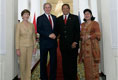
(25, 45)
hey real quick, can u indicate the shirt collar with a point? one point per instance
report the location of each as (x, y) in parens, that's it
(47, 14)
(66, 16)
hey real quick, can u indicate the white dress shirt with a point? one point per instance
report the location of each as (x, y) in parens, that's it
(66, 16)
(51, 19)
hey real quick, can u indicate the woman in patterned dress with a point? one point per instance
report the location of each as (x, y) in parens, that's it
(90, 51)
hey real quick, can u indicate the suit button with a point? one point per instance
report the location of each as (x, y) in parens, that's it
(65, 31)
(65, 37)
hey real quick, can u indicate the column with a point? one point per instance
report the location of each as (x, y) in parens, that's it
(8, 65)
(35, 8)
(101, 41)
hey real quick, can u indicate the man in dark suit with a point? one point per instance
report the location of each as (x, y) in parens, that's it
(68, 28)
(48, 42)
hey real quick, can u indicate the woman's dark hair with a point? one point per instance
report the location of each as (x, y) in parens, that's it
(66, 5)
(88, 10)
(25, 11)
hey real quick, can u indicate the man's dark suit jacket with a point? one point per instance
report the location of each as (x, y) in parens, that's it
(44, 29)
(69, 32)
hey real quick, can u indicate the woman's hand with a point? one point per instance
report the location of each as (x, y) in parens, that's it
(34, 51)
(86, 37)
(80, 60)
(18, 52)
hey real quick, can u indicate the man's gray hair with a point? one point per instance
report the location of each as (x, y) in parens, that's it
(47, 4)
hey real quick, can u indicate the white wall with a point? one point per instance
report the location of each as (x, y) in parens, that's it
(80, 5)
(32, 5)
(23, 4)
(93, 7)
(35, 8)
(110, 58)
(83, 4)
(7, 60)
(15, 21)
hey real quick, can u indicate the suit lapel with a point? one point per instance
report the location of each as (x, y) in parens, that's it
(53, 20)
(69, 18)
(47, 21)
(62, 20)
(26, 29)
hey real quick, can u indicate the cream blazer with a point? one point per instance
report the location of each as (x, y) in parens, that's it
(25, 35)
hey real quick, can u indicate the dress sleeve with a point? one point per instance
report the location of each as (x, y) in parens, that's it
(34, 36)
(95, 32)
(17, 37)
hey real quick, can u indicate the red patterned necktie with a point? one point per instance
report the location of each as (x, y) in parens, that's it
(50, 20)
(65, 20)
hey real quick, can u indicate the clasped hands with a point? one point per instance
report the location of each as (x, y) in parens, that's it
(85, 37)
